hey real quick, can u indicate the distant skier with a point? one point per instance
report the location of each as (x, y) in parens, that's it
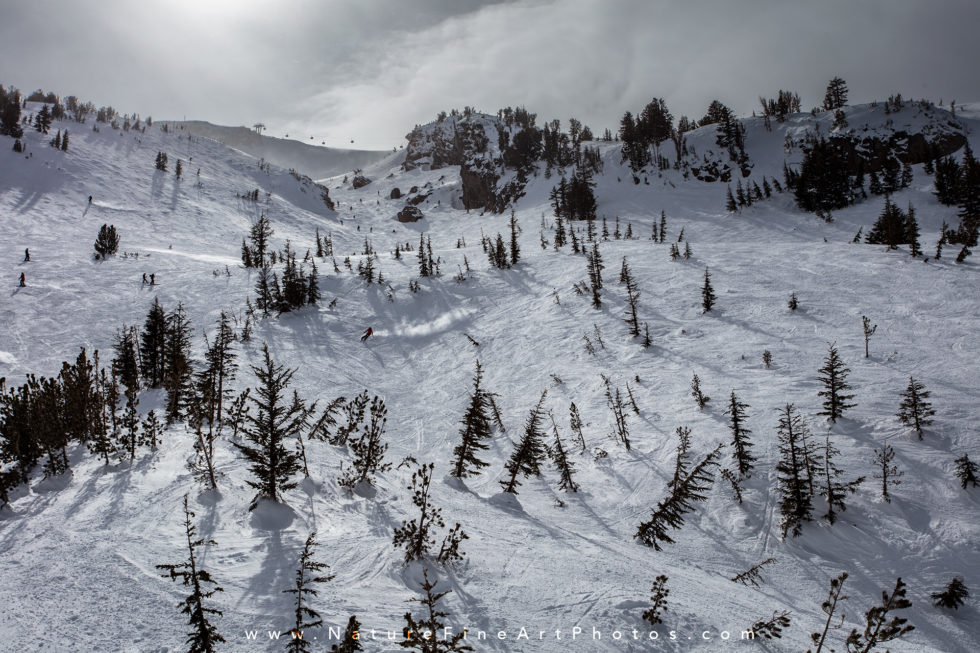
(145, 280)
(27, 255)
(23, 284)
(89, 199)
(153, 279)
(367, 334)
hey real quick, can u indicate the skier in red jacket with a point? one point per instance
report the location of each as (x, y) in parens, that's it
(367, 334)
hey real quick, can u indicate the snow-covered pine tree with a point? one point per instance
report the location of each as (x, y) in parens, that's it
(203, 637)
(415, 535)
(878, 627)
(428, 634)
(740, 436)
(833, 375)
(659, 598)
(796, 499)
(966, 471)
(701, 398)
(632, 298)
(308, 574)
(707, 293)
(530, 452)
(564, 466)
(869, 330)
(887, 472)
(272, 464)
(476, 429)
(915, 409)
(669, 513)
(835, 490)
(663, 225)
(952, 596)
(369, 448)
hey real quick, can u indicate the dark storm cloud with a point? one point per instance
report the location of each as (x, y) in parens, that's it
(370, 70)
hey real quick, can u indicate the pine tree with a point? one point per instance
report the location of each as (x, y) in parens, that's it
(836, 95)
(793, 476)
(771, 628)
(515, 250)
(153, 343)
(669, 513)
(707, 293)
(659, 598)
(415, 535)
(663, 225)
(204, 636)
(829, 607)
(575, 424)
(952, 596)
(740, 437)
(560, 237)
(179, 170)
(426, 634)
(912, 232)
(564, 466)
(475, 431)
(307, 575)
(699, 396)
(833, 375)
(64, 141)
(369, 448)
(351, 642)
(835, 490)
(682, 459)
(259, 236)
(730, 204)
(530, 452)
(107, 242)
(152, 429)
(967, 471)
(219, 371)
(915, 410)
(878, 628)
(161, 161)
(272, 464)
(887, 471)
(632, 297)
(178, 368)
(891, 227)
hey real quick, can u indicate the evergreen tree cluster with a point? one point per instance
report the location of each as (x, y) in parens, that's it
(10, 112)
(644, 133)
(573, 199)
(895, 227)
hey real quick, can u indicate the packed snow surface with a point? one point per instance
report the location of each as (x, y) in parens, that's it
(78, 552)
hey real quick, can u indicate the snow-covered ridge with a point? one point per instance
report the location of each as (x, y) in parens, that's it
(314, 161)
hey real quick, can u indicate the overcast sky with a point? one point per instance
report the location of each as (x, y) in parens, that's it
(369, 70)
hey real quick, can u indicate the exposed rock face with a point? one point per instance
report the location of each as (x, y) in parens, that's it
(473, 142)
(395, 194)
(410, 214)
(479, 188)
(418, 199)
(360, 181)
(915, 148)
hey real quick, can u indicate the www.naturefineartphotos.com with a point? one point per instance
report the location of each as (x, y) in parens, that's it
(531, 325)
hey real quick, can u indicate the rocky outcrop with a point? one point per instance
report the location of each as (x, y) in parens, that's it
(479, 188)
(410, 214)
(360, 181)
(913, 149)
(395, 194)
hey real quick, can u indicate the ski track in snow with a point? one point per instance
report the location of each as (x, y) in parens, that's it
(78, 554)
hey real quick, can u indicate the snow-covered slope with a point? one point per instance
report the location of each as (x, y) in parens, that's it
(312, 160)
(80, 548)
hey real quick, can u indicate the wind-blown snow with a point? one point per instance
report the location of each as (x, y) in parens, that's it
(77, 553)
